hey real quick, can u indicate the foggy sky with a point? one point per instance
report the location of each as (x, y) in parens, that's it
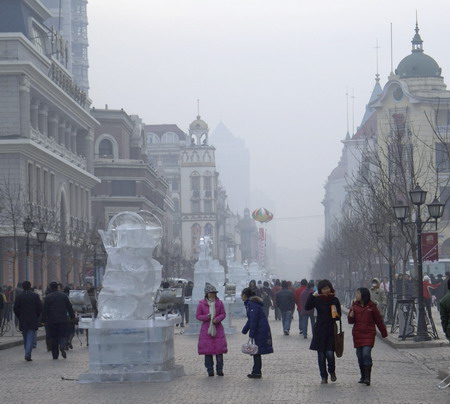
(274, 71)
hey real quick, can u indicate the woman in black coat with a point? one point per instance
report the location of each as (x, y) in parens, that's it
(328, 311)
(259, 330)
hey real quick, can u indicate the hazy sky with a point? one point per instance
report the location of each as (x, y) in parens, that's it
(274, 71)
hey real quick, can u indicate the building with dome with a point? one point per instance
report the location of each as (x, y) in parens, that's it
(414, 104)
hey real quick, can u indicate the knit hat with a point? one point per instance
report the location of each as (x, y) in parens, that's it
(426, 278)
(210, 289)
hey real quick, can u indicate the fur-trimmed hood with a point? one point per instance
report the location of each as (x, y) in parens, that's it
(256, 299)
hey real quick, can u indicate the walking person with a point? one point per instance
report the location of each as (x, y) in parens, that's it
(275, 289)
(378, 296)
(266, 295)
(364, 314)
(297, 294)
(258, 328)
(307, 314)
(212, 341)
(56, 314)
(187, 297)
(328, 312)
(285, 301)
(444, 311)
(28, 309)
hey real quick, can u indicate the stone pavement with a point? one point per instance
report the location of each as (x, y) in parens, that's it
(290, 375)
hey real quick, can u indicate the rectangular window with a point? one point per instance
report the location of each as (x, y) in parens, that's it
(30, 182)
(208, 206)
(123, 188)
(38, 186)
(45, 188)
(442, 157)
(52, 190)
(195, 206)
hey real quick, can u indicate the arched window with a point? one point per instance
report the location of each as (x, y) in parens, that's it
(105, 149)
(169, 137)
(208, 230)
(152, 138)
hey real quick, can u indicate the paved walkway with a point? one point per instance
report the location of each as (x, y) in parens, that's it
(289, 375)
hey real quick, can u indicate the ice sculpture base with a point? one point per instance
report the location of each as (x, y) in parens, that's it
(194, 325)
(131, 351)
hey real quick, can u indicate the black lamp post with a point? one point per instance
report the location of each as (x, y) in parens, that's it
(377, 228)
(42, 238)
(28, 227)
(436, 210)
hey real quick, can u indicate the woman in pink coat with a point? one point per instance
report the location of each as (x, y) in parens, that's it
(212, 341)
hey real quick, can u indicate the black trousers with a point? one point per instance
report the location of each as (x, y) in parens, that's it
(209, 363)
(58, 337)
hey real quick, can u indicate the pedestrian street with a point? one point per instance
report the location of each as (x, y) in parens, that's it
(290, 375)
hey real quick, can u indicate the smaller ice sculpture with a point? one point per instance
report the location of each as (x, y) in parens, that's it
(132, 276)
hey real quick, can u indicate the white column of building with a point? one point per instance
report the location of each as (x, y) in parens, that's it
(67, 141)
(53, 126)
(42, 119)
(62, 132)
(24, 102)
(34, 113)
(89, 150)
(73, 138)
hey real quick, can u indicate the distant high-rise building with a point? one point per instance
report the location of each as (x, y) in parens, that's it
(69, 18)
(233, 163)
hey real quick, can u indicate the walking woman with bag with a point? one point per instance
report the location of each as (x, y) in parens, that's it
(364, 314)
(328, 312)
(212, 341)
(258, 328)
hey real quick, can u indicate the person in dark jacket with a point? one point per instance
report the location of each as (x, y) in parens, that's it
(266, 295)
(254, 288)
(28, 308)
(444, 311)
(364, 314)
(56, 313)
(328, 312)
(285, 301)
(258, 328)
(307, 314)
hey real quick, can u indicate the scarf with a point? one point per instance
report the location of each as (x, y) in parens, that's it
(212, 311)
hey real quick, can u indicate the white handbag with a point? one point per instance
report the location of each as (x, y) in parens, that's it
(250, 348)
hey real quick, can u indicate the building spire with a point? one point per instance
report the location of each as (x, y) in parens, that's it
(417, 40)
(377, 75)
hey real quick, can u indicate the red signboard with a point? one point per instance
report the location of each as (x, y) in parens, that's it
(430, 247)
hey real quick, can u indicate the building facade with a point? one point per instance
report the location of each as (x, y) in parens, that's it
(128, 181)
(46, 149)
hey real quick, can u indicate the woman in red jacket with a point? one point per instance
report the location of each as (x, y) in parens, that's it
(365, 315)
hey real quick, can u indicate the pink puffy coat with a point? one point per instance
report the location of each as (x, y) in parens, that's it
(208, 345)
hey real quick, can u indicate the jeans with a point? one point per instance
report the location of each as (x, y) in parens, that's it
(28, 341)
(257, 364)
(304, 320)
(209, 363)
(364, 354)
(300, 322)
(286, 318)
(58, 337)
(323, 358)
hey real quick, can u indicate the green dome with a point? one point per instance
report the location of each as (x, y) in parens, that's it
(418, 65)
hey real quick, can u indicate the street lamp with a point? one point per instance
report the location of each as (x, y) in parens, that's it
(436, 210)
(377, 228)
(28, 227)
(42, 238)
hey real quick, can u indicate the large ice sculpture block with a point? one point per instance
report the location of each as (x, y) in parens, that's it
(127, 343)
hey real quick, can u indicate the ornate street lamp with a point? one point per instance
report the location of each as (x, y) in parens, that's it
(42, 238)
(436, 210)
(27, 227)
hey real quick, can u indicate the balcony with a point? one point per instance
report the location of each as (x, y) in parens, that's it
(51, 145)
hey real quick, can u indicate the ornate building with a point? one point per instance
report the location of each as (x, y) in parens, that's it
(46, 148)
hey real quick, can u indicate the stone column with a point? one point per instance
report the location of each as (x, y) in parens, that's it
(73, 138)
(42, 119)
(62, 132)
(25, 106)
(90, 150)
(68, 140)
(34, 113)
(53, 126)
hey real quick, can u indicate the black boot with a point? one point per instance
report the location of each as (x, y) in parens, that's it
(361, 369)
(367, 372)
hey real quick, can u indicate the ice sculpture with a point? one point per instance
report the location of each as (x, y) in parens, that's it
(128, 342)
(238, 276)
(132, 276)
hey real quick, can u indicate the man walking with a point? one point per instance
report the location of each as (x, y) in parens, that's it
(286, 303)
(297, 294)
(444, 311)
(28, 308)
(57, 308)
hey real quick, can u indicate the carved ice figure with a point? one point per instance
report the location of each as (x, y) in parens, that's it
(132, 276)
